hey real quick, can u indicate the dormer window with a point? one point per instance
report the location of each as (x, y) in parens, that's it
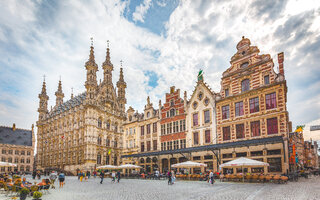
(172, 112)
(172, 103)
(226, 92)
(244, 65)
(148, 114)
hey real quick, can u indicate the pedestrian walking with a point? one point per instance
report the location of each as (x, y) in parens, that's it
(81, 176)
(101, 176)
(169, 178)
(211, 177)
(53, 176)
(61, 179)
(34, 173)
(94, 174)
(173, 177)
(113, 176)
(118, 176)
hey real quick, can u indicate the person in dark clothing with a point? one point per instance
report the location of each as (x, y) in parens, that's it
(101, 176)
(118, 176)
(34, 175)
(169, 178)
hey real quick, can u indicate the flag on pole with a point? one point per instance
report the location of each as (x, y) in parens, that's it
(109, 151)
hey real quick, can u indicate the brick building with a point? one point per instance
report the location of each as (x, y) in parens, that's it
(252, 109)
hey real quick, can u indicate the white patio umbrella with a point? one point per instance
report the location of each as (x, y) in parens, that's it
(129, 166)
(108, 167)
(6, 164)
(244, 162)
(189, 164)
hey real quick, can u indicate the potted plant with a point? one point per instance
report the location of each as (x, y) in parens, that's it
(24, 193)
(37, 195)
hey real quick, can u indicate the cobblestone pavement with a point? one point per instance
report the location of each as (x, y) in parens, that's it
(129, 189)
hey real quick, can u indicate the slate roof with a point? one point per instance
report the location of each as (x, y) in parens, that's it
(75, 101)
(18, 137)
(276, 139)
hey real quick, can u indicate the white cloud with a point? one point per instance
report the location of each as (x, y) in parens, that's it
(141, 11)
(198, 35)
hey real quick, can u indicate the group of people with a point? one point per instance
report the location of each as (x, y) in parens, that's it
(114, 175)
(61, 177)
(171, 177)
(36, 174)
(86, 175)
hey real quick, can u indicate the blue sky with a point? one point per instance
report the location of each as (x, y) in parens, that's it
(162, 43)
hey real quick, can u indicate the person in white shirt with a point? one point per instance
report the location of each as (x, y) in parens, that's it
(113, 176)
(211, 177)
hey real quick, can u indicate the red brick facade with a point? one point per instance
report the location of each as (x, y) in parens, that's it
(173, 111)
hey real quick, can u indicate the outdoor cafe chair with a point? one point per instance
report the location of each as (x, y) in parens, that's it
(261, 178)
(276, 178)
(284, 179)
(255, 177)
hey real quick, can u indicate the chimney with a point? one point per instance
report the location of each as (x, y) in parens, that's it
(14, 127)
(280, 61)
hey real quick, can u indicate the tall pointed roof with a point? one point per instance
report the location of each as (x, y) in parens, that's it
(44, 90)
(121, 79)
(59, 91)
(91, 61)
(107, 62)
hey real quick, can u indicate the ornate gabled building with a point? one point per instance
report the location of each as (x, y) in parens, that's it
(201, 122)
(142, 136)
(85, 131)
(252, 117)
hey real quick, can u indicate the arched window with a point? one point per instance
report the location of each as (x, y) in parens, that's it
(116, 127)
(172, 102)
(172, 112)
(245, 85)
(244, 65)
(108, 142)
(108, 125)
(98, 159)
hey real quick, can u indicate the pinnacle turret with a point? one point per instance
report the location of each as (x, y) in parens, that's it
(121, 85)
(59, 94)
(92, 68)
(107, 68)
(43, 103)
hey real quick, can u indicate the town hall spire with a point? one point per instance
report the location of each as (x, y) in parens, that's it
(43, 104)
(59, 94)
(92, 68)
(122, 85)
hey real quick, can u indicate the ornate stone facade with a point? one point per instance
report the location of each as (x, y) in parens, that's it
(85, 131)
(17, 146)
(253, 106)
(143, 129)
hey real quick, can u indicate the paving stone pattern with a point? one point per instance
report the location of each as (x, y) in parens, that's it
(129, 189)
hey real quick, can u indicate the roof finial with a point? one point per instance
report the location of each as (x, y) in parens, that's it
(107, 43)
(60, 78)
(242, 37)
(121, 61)
(44, 78)
(91, 41)
(71, 92)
